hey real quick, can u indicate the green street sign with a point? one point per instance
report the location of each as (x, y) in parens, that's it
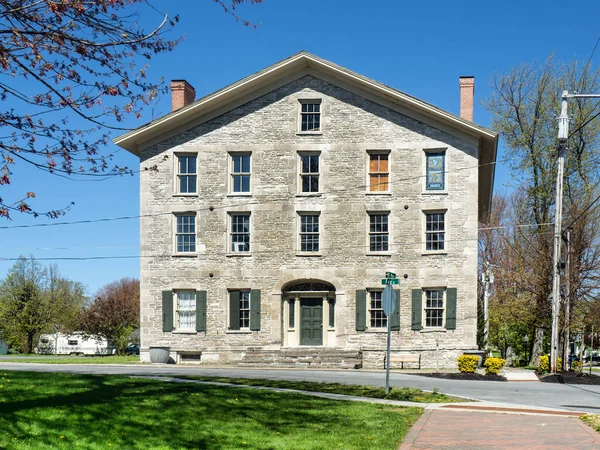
(390, 281)
(394, 281)
(390, 275)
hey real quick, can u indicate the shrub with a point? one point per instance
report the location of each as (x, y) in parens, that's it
(559, 365)
(544, 364)
(577, 366)
(493, 365)
(467, 363)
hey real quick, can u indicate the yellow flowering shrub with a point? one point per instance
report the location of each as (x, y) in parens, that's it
(493, 365)
(467, 363)
(544, 364)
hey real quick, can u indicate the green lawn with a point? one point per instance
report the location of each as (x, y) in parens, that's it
(397, 393)
(593, 420)
(66, 411)
(51, 359)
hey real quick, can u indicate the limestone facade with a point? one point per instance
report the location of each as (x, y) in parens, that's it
(352, 127)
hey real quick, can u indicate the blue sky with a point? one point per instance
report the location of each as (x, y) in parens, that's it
(420, 48)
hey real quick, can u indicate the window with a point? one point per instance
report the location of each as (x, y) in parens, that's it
(240, 233)
(186, 174)
(434, 231)
(434, 308)
(44, 341)
(378, 318)
(292, 307)
(435, 176)
(309, 172)
(378, 172)
(244, 310)
(309, 232)
(378, 233)
(310, 115)
(331, 313)
(186, 234)
(185, 310)
(240, 173)
(71, 342)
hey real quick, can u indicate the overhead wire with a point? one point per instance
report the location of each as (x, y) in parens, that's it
(254, 201)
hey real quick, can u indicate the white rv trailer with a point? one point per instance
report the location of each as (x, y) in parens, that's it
(72, 344)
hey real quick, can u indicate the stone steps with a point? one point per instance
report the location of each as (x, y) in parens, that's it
(313, 358)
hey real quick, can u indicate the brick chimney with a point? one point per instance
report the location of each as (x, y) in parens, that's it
(182, 94)
(467, 92)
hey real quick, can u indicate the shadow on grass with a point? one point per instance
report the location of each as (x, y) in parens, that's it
(64, 410)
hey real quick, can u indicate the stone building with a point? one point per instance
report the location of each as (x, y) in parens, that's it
(272, 209)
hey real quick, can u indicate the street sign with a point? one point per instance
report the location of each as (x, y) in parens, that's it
(388, 301)
(390, 275)
(385, 281)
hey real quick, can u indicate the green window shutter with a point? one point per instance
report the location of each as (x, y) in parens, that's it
(361, 310)
(167, 307)
(234, 310)
(395, 319)
(200, 310)
(451, 309)
(417, 309)
(255, 310)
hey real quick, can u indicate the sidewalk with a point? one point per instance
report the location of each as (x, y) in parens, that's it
(473, 425)
(474, 430)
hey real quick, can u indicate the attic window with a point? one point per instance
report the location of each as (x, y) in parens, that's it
(310, 116)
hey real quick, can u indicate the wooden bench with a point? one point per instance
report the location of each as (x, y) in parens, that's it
(403, 358)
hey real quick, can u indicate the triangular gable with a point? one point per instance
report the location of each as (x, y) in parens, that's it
(299, 65)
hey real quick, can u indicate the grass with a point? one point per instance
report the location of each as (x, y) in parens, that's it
(50, 359)
(68, 411)
(405, 394)
(593, 420)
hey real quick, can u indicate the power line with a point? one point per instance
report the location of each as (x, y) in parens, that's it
(400, 245)
(253, 202)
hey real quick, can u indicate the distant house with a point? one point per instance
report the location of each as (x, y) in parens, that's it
(3, 347)
(72, 344)
(272, 209)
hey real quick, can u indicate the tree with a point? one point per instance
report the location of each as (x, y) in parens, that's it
(34, 300)
(524, 106)
(74, 71)
(114, 314)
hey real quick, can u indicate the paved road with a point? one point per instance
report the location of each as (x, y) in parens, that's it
(571, 397)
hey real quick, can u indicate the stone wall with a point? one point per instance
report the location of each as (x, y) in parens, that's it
(268, 128)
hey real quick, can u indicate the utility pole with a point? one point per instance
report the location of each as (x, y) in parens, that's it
(563, 137)
(567, 329)
(487, 278)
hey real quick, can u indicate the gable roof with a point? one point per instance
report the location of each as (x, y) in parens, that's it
(303, 63)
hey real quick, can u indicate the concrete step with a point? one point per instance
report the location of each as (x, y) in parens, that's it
(330, 358)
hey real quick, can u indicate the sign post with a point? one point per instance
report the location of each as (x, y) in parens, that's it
(388, 303)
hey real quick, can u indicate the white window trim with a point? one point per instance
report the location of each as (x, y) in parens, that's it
(174, 230)
(176, 328)
(230, 215)
(230, 174)
(424, 231)
(176, 192)
(427, 151)
(387, 252)
(424, 307)
(319, 174)
(302, 101)
(368, 172)
(368, 307)
(299, 215)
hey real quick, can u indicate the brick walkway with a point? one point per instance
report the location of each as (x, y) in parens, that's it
(469, 430)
